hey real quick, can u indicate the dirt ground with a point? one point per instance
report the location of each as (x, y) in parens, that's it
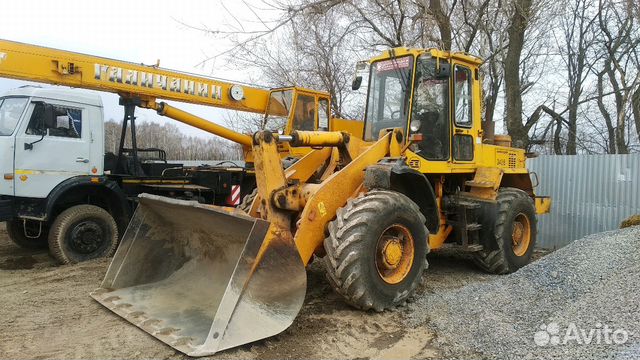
(46, 312)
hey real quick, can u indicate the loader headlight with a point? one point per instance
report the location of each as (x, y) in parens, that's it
(415, 125)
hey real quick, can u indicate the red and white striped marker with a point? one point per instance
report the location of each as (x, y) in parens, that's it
(234, 198)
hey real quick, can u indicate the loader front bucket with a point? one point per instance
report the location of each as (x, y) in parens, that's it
(203, 278)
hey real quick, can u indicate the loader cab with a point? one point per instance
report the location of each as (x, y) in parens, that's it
(434, 97)
(295, 108)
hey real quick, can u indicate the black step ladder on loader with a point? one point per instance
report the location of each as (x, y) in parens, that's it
(464, 218)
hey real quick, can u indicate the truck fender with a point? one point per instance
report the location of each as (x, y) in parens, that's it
(116, 197)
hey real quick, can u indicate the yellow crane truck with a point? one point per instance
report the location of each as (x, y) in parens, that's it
(61, 190)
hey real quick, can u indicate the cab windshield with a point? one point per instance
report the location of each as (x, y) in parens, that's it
(10, 111)
(278, 110)
(389, 91)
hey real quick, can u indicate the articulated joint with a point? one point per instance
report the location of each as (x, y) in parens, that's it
(265, 136)
(293, 197)
(160, 108)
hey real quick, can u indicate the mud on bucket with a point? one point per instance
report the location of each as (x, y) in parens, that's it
(201, 278)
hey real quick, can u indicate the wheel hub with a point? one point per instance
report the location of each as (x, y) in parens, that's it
(521, 234)
(518, 232)
(394, 254)
(86, 237)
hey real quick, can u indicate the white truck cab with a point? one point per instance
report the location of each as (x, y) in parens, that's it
(40, 157)
(53, 191)
(59, 188)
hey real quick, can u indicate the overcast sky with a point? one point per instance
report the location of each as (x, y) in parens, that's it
(136, 31)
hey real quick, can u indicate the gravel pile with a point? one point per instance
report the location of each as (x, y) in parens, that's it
(582, 301)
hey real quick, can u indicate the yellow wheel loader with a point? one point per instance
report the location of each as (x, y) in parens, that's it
(425, 174)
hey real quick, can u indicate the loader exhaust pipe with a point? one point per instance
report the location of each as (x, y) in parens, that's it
(201, 278)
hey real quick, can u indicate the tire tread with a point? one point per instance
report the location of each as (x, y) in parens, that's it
(344, 241)
(495, 261)
(56, 236)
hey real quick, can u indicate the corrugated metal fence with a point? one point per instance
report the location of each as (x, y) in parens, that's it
(590, 194)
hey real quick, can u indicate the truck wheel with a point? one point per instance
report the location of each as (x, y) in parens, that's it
(81, 233)
(247, 201)
(514, 233)
(376, 250)
(15, 230)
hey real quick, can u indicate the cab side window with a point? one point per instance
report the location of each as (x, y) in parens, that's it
(463, 96)
(305, 113)
(54, 120)
(323, 114)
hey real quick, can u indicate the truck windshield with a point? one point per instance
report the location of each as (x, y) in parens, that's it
(10, 111)
(387, 103)
(278, 110)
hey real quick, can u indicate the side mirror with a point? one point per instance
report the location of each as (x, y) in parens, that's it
(45, 120)
(362, 68)
(357, 81)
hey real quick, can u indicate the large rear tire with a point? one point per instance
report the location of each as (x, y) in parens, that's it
(376, 250)
(81, 233)
(514, 233)
(15, 230)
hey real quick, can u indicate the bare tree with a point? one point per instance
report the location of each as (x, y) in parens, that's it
(437, 10)
(578, 41)
(520, 20)
(574, 41)
(490, 46)
(620, 37)
(314, 43)
(635, 108)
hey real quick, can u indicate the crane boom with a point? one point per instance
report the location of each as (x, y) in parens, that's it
(143, 85)
(47, 65)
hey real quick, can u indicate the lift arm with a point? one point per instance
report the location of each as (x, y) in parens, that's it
(46, 65)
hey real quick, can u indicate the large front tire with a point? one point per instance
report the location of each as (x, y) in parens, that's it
(16, 232)
(376, 250)
(514, 233)
(83, 232)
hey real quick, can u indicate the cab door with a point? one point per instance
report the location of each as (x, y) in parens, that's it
(464, 121)
(11, 112)
(52, 146)
(304, 115)
(430, 110)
